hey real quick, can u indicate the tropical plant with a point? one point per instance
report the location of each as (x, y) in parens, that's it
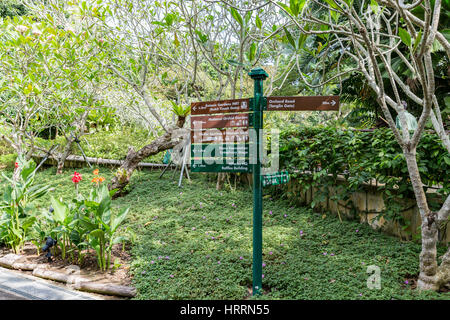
(88, 222)
(16, 206)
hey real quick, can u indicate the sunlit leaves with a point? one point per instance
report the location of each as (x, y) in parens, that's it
(374, 6)
(252, 51)
(236, 15)
(258, 22)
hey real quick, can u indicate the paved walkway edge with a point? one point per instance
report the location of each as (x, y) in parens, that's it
(33, 288)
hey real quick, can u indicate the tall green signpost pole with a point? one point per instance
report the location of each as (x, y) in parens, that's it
(234, 113)
(258, 75)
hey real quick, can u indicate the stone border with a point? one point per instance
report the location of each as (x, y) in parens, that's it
(11, 261)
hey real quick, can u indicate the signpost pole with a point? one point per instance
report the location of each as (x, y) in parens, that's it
(258, 75)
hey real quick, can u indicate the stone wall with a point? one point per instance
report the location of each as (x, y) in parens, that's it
(366, 205)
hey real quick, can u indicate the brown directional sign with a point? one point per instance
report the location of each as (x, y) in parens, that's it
(220, 106)
(311, 103)
(220, 121)
(220, 136)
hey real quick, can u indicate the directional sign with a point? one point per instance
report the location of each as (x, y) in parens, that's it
(275, 178)
(220, 136)
(220, 121)
(312, 103)
(220, 106)
(220, 150)
(216, 167)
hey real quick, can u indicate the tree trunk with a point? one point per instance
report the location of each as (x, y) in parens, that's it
(64, 155)
(80, 125)
(167, 141)
(428, 277)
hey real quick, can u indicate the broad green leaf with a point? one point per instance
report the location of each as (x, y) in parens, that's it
(119, 240)
(98, 233)
(258, 22)
(252, 52)
(294, 6)
(332, 4)
(176, 41)
(404, 36)
(285, 7)
(235, 14)
(290, 38)
(60, 210)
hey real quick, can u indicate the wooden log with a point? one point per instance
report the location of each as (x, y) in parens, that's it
(25, 266)
(74, 161)
(9, 260)
(50, 275)
(108, 289)
(58, 276)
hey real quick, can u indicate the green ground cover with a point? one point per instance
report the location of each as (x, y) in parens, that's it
(196, 243)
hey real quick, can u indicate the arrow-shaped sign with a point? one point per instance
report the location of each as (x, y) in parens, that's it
(310, 103)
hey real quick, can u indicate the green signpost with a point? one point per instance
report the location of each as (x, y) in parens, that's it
(217, 150)
(274, 179)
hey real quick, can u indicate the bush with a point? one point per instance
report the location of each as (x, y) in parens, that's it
(361, 156)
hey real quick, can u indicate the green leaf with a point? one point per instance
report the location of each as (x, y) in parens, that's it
(404, 36)
(98, 233)
(374, 6)
(116, 221)
(417, 41)
(176, 41)
(60, 210)
(295, 7)
(447, 160)
(235, 14)
(258, 23)
(285, 7)
(290, 38)
(252, 52)
(332, 4)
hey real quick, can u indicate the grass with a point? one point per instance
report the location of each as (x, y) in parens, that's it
(196, 243)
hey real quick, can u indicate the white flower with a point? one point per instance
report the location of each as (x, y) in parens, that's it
(36, 33)
(21, 28)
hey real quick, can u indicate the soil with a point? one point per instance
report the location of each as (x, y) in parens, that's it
(88, 268)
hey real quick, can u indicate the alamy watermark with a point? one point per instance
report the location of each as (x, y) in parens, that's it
(374, 280)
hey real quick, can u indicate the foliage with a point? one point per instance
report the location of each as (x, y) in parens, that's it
(112, 144)
(11, 8)
(88, 222)
(51, 77)
(16, 208)
(359, 156)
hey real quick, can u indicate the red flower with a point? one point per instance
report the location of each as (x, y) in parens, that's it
(16, 165)
(76, 178)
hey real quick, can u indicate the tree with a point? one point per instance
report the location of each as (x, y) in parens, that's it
(55, 67)
(11, 8)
